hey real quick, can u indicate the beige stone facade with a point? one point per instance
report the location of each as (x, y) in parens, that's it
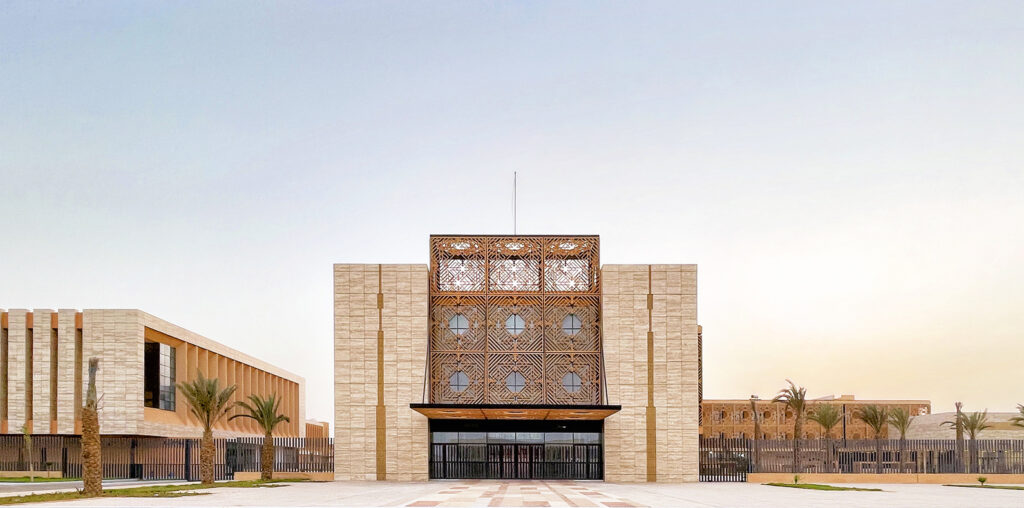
(650, 357)
(47, 354)
(377, 435)
(655, 435)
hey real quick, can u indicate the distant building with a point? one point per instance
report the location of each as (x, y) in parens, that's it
(931, 427)
(44, 356)
(317, 430)
(731, 418)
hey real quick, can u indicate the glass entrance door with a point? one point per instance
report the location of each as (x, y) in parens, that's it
(465, 449)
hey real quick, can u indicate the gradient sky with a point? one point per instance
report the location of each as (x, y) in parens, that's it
(847, 175)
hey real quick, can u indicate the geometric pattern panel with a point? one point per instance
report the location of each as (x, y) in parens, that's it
(573, 378)
(459, 327)
(518, 327)
(515, 379)
(457, 378)
(515, 320)
(572, 326)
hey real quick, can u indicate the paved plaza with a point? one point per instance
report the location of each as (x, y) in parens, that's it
(568, 493)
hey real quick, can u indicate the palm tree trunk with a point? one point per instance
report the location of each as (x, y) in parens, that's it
(878, 455)
(899, 469)
(206, 453)
(828, 453)
(796, 445)
(267, 458)
(972, 452)
(92, 467)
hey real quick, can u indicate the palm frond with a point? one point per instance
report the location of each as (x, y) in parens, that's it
(263, 410)
(874, 416)
(827, 416)
(206, 400)
(901, 419)
(793, 397)
(1019, 420)
(976, 422)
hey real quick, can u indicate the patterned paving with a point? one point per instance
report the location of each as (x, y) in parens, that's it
(521, 493)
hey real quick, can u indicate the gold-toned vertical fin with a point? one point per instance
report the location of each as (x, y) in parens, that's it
(652, 422)
(382, 428)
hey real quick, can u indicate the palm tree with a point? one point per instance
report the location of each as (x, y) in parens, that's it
(901, 418)
(209, 404)
(1019, 420)
(827, 416)
(92, 459)
(974, 423)
(795, 398)
(265, 412)
(757, 431)
(958, 424)
(876, 417)
(27, 449)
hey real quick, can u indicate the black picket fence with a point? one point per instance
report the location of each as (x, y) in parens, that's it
(731, 459)
(164, 458)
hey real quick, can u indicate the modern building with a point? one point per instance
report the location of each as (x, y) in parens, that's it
(317, 430)
(516, 357)
(44, 357)
(732, 418)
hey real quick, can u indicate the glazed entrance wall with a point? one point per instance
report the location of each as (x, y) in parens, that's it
(495, 449)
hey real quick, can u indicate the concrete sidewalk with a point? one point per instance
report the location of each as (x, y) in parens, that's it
(569, 493)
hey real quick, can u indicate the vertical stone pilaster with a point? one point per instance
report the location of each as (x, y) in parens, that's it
(17, 365)
(385, 306)
(405, 350)
(650, 344)
(66, 333)
(41, 341)
(116, 338)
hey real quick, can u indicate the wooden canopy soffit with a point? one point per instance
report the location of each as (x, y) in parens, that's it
(522, 412)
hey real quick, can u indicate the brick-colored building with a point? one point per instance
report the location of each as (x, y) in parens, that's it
(516, 357)
(731, 418)
(44, 357)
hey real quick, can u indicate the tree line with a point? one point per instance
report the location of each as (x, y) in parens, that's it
(876, 417)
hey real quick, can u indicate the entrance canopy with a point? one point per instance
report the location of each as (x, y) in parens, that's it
(514, 412)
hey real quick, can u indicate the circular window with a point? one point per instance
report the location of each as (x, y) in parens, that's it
(515, 324)
(459, 381)
(458, 324)
(572, 382)
(572, 324)
(515, 382)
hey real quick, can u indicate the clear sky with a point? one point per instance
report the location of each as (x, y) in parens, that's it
(847, 175)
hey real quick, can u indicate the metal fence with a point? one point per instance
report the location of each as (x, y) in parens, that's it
(731, 459)
(164, 458)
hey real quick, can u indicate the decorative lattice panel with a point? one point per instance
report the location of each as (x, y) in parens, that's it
(502, 390)
(503, 316)
(572, 325)
(443, 366)
(562, 390)
(459, 325)
(524, 306)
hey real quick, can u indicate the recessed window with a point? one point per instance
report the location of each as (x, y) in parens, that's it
(515, 382)
(515, 324)
(458, 324)
(572, 382)
(458, 381)
(159, 376)
(572, 324)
